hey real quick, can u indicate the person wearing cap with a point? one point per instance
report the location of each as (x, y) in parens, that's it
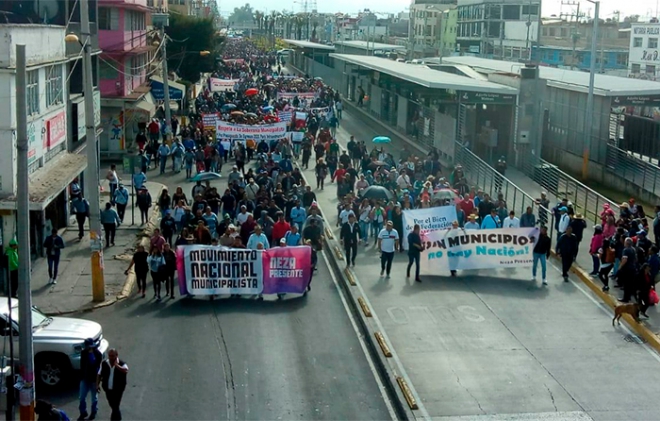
(578, 224)
(563, 222)
(234, 175)
(556, 211)
(388, 242)
(643, 242)
(120, 198)
(90, 364)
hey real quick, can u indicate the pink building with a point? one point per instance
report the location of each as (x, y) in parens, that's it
(123, 67)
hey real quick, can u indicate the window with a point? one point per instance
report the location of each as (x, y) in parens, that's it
(511, 12)
(650, 69)
(32, 92)
(106, 71)
(552, 32)
(563, 32)
(134, 21)
(637, 42)
(635, 69)
(494, 12)
(530, 9)
(108, 18)
(54, 85)
(622, 59)
(653, 43)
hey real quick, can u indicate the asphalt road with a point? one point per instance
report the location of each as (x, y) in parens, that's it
(300, 358)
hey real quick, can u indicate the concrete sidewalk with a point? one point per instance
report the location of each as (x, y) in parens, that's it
(73, 291)
(494, 344)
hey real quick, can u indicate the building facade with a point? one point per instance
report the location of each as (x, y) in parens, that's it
(644, 54)
(448, 30)
(124, 64)
(426, 30)
(501, 29)
(56, 128)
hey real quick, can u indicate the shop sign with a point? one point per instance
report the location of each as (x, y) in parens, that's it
(56, 130)
(641, 100)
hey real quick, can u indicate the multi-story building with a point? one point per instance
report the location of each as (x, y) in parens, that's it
(426, 18)
(567, 44)
(126, 104)
(56, 128)
(644, 54)
(181, 7)
(448, 29)
(502, 29)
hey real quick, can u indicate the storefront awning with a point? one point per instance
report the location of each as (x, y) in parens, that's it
(177, 90)
(48, 182)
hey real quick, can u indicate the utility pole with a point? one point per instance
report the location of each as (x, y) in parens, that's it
(92, 174)
(588, 121)
(166, 87)
(26, 354)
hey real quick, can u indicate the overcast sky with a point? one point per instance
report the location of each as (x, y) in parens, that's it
(627, 7)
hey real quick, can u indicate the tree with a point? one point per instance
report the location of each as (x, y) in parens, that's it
(243, 14)
(189, 36)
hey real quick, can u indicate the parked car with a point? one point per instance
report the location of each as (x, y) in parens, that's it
(284, 52)
(58, 342)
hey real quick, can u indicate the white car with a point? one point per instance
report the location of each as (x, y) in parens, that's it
(58, 342)
(284, 52)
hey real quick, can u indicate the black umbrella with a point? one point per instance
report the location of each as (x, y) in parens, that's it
(376, 193)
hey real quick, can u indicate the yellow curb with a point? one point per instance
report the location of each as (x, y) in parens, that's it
(328, 233)
(338, 253)
(364, 306)
(383, 345)
(638, 327)
(350, 278)
(410, 399)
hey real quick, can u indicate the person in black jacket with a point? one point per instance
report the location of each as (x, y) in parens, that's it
(350, 237)
(90, 363)
(567, 250)
(112, 377)
(541, 253)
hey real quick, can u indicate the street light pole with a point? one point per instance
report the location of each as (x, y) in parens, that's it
(588, 121)
(166, 87)
(92, 175)
(24, 294)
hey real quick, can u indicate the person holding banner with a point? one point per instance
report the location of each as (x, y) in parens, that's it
(415, 248)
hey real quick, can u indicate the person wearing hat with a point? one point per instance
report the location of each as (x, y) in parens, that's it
(388, 242)
(90, 363)
(471, 223)
(578, 224)
(556, 211)
(120, 198)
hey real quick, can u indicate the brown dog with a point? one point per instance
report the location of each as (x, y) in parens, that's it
(620, 310)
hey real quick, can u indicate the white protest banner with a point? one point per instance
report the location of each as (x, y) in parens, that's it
(429, 220)
(285, 116)
(209, 121)
(457, 249)
(301, 95)
(297, 137)
(212, 271)
(245, 131)
(301, 116)
(221, 85)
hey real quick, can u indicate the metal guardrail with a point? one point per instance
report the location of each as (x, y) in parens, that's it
(561, 185)
(636, 170)
(484, 177)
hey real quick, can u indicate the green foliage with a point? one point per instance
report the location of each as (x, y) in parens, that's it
(197, 35)
(243, 14)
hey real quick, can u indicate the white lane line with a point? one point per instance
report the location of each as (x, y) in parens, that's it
(606, 309)
(363, 345)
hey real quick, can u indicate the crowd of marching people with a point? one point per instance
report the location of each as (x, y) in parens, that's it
(267, 202)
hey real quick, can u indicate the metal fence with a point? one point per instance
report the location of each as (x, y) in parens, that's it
(634, 169)
(561, 185)
(484, 177)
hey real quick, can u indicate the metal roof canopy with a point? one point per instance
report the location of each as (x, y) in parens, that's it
(424, 76)
(363, 45)
(309, 44)
(571, 80)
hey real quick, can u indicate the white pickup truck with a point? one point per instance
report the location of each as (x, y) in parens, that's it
(58, 342)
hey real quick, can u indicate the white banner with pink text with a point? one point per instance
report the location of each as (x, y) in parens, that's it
(257, 132)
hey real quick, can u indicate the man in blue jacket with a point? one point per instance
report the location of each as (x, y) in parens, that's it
(90, 364)
(53, 245)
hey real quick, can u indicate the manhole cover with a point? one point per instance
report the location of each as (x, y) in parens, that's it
(634, 339)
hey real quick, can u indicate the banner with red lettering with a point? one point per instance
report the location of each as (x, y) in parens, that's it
(221, 85)
(309, 96)
(210, 121)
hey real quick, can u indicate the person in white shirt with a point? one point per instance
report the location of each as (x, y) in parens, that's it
(242, 215)
(403, 181)
(112, 377)
(345, 214)
(564, 221)
(511, 221)
(388, 242)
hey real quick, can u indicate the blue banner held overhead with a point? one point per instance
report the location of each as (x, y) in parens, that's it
(158, 91)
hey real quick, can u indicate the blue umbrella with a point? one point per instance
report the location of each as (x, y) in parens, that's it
(204, 176)
(229, 106)
(268, 108)
(381, 139)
